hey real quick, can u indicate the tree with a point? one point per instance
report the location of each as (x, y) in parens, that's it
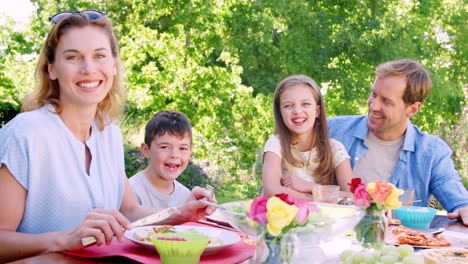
(219, 61)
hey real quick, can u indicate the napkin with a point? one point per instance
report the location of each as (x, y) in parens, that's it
(233, 254)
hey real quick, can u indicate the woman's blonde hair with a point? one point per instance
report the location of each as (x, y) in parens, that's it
(323, 173)
(48, 91)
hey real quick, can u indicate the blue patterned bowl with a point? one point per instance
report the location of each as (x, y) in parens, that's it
(416, 216)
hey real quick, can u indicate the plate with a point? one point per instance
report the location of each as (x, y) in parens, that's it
(217, 217)
(226, 238)
(457, 239)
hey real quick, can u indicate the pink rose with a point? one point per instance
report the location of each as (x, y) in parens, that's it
(258, 210)
(303, 211)
(361, 196)
(313, 208)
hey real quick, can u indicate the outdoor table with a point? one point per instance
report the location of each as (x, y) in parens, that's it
(439, 221)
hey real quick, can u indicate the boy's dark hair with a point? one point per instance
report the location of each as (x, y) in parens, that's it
(173, 122)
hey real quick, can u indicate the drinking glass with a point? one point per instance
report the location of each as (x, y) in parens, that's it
(406, 199)
(326, 193)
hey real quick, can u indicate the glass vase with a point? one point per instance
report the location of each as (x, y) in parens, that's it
(370, 231)
(281, 249)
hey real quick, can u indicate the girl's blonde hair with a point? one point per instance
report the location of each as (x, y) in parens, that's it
(48, 91)
(324, 172)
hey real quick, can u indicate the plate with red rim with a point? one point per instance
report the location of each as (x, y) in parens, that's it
(220, 238)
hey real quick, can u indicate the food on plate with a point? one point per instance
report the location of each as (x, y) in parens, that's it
(414, 238)
(446, 256)
(163, 229)
(439, 241)
(146, 234)
(400, 229)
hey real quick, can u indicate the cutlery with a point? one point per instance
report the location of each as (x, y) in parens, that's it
(211, 189)
(219, 207)
(212, 204)
(217, 225)
(433, 231)
(151, 219)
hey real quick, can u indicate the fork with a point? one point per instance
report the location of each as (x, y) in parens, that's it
(211, 189)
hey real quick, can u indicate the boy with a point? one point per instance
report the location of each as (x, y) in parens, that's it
(168, 147)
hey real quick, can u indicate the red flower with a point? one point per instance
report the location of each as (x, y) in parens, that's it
(355, 182)
(287, 198)
(258, 210)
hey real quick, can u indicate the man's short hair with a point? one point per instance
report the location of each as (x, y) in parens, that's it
(418, 81)
(173, 122)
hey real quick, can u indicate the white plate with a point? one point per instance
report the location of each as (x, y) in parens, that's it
(228, 238)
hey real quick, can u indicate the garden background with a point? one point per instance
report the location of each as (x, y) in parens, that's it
(219, 61)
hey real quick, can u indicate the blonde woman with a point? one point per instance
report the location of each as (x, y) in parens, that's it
(62, 172)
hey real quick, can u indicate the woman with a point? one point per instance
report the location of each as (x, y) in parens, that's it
(62, 172)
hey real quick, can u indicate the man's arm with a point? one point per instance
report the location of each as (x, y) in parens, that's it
(445, 182)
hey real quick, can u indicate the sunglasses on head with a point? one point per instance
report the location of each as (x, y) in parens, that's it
(92, 15)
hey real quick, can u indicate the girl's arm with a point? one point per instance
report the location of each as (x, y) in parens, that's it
(344, 174)
(271, 178)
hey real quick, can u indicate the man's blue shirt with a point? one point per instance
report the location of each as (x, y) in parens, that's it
(424, 164)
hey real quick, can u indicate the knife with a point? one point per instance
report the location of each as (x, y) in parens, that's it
(147, 220)
(217, 225)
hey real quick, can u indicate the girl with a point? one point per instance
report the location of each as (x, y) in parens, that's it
(300, 154)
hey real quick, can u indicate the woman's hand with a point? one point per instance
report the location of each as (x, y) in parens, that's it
(297, 184)
(101, 224)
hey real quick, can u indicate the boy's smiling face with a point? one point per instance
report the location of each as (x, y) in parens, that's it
(168, 155)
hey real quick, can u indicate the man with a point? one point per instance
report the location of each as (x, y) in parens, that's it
(385, 145)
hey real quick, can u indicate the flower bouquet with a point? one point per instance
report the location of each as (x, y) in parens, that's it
(288, 230)
(375, 198)
(276, 219)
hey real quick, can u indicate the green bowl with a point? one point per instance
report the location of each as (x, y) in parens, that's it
(174, 252)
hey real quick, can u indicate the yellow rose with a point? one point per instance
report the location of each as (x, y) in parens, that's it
(392, 201)
(248, 205)
(279, 215)
(370, 188)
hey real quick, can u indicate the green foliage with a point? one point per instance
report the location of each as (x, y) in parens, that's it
(456, 138)
(13, 67)
(219, 62)
(134, 160)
